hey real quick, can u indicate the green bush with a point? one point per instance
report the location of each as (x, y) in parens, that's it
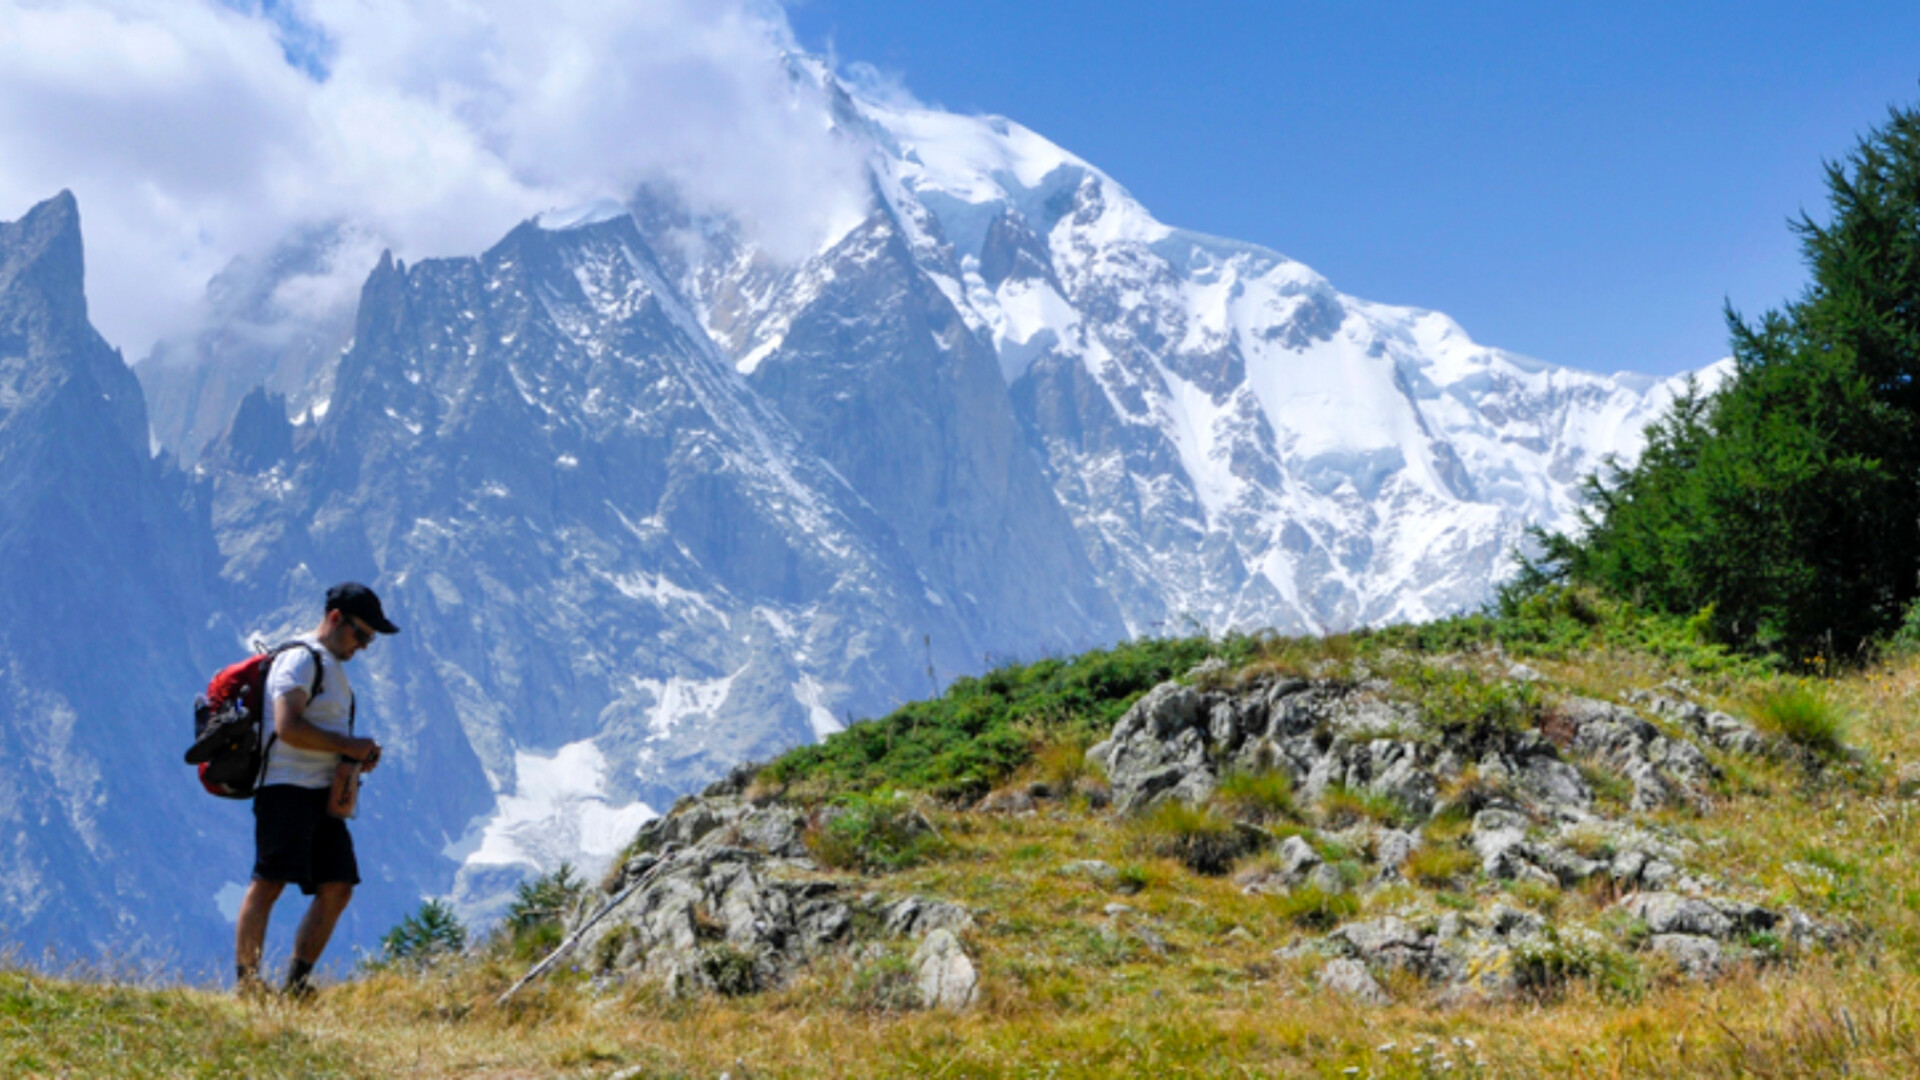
(539, 908)
(1469, 712)
(1906, 640)
(873, 834)
(731, 971)
(431, 932)
(1544, 963)
(881, 982)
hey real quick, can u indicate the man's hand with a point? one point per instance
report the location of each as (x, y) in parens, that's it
(367, 753)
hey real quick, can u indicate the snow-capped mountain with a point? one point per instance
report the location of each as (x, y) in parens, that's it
(622, 569)
(1238, 444)
(650, 501)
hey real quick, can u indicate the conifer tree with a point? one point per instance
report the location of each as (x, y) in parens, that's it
(1788, 503)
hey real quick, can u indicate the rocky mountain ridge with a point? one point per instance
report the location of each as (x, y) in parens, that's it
(654, 502)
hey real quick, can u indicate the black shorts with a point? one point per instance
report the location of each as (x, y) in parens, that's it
(295, 839)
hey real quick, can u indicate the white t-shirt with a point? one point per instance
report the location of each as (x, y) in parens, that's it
(330, 711)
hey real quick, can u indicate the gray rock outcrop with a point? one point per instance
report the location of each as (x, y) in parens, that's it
(722, 896)
(1535, 821)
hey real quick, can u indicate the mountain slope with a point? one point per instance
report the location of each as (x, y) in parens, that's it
(105, 561)
(620, 573)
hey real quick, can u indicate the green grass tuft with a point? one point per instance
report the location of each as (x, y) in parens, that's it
(1312, 908)
(1804, 715)
(1439, 866)
(1199, 838)
(1259, 797)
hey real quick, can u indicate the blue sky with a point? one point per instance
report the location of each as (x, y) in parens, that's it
(1584, 183)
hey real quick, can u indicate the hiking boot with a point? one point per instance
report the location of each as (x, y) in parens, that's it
(298, 988)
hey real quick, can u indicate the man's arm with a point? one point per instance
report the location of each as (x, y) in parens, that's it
(290, 723)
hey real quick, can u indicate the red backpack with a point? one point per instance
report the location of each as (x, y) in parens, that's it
(229, 723)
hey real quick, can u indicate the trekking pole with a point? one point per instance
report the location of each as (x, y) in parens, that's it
(573, 939)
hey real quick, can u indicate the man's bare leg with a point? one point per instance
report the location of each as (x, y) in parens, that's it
(250, 931)
(316, 927)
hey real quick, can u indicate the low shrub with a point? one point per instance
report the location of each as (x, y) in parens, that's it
(431, 932)
(880, 981)
(731, 971)
(873, 834)
(1471, 713)
(981, 731)
(1544, 963)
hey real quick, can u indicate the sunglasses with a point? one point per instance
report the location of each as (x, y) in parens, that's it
(361, 633)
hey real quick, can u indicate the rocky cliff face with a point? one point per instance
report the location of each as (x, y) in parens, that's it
(622, 572)
(105, 556)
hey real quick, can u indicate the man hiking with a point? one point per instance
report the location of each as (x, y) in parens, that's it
(295, 837)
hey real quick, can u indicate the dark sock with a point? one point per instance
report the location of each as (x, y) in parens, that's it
(297, 973)
(243, 974)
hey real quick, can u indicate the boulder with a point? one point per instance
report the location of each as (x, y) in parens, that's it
(944, 975)
(1350, 978)
(1669, 913)
(1391, 848)
(1389, 943)
(1297, 859)
(1697, 956)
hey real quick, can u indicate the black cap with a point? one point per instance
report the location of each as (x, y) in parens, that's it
(358, 601)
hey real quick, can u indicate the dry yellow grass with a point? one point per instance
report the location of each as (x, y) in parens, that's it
(1182, 983)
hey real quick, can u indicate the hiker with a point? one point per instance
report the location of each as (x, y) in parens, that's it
(296, 838)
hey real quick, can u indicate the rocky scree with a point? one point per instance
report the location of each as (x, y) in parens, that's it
(1512, 804)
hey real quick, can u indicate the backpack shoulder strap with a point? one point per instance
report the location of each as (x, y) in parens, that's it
(319, 665)
(319, 680)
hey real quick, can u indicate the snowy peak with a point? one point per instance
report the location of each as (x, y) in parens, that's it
(1293, 456)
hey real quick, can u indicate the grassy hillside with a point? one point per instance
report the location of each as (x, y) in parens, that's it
(1158, 969)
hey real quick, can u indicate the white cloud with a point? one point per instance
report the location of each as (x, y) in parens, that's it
(192, 132)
